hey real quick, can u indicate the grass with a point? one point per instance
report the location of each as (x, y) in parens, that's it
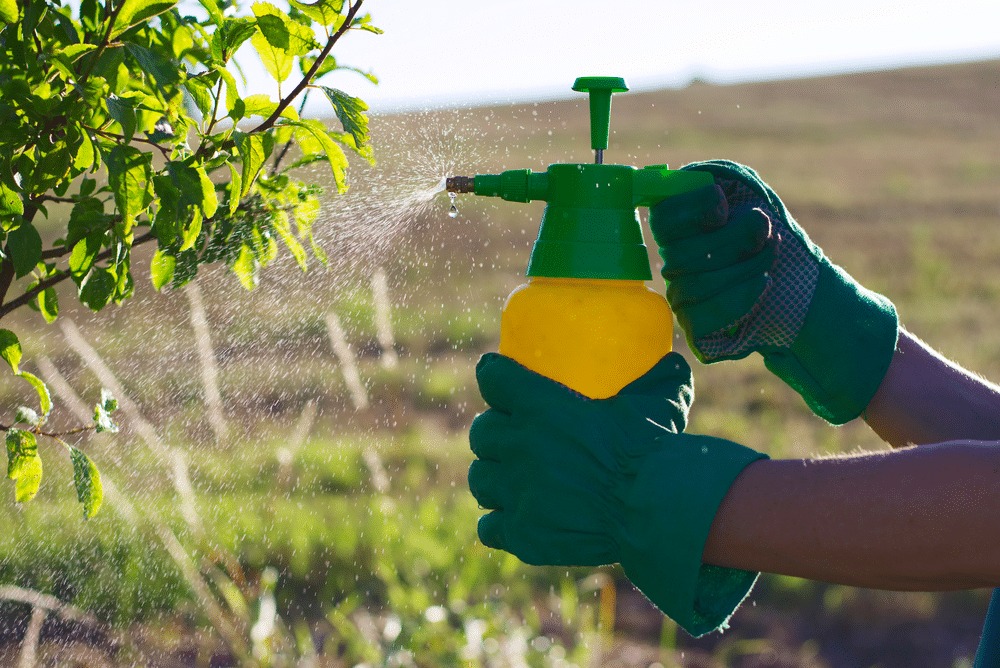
(894, 174)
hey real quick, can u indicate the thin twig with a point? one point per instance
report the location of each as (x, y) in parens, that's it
(105, 41)
(308, 76)
(164, 150)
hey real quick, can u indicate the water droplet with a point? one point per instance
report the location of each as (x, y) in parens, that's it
(453, 211)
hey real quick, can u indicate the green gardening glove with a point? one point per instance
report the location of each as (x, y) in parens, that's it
(587, 482)
(744, 277)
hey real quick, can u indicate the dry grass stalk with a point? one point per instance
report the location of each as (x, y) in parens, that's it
(383, 320)
(209, 366)
(348, 361)
(145, 430)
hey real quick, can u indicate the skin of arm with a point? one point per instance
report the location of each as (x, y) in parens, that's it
(917, 518)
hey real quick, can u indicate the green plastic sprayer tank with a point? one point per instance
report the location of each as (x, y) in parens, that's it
(585, 317)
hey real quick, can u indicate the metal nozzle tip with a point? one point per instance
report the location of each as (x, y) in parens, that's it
(460, 184)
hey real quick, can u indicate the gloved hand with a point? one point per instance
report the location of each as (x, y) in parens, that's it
(586, 482)
(744, 277)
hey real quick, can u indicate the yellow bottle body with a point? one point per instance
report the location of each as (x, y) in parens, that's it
(593, 335)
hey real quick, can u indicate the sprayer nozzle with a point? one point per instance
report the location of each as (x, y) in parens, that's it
(460, 184)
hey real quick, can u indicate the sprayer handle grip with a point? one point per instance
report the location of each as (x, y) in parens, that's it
(656, 183)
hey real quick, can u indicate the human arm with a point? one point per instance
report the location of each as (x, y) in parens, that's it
(925, 398)
(916, 519)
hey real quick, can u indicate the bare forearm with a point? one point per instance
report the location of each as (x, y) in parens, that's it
(915, 519)
(924, 398)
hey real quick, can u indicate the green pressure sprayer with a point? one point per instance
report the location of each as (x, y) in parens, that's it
(586, 318)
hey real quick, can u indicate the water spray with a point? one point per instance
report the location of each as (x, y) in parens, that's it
(586, 318)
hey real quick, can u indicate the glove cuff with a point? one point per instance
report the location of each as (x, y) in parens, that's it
(843, 350)
(668, 509)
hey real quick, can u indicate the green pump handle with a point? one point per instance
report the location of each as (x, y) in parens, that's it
(600, 90)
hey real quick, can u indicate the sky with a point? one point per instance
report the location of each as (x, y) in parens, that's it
(440, 53)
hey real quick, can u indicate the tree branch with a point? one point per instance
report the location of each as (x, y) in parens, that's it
(62, 276)
(307, 78)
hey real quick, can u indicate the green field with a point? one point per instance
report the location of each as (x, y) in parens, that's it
(362, 514)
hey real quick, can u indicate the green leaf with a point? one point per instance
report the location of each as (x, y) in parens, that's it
(152, 63)
(234, 105)
(74, 51)
(209, 200)
(284, 229)
(230, 34)
(24, 248)
(86, 156)
(276, 61)
(10, 201)
(324, 12)
(84, 253)
(123, 112)
(48, 304)
(129, 176)
(351, 112)
(108, 401)
(24, 466)
(134, 12)
(98, 288)
(332, 152)
(86, 218)
(200, 93)
(254, 149)
(235, 188)
(10, 349)
(365, 23)
(161, 269)
(44, 398)
(87, 480)
(281, 32)
(245, 268)
(8, 11)
(190, 232)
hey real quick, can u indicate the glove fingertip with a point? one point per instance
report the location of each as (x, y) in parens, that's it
(490, 530)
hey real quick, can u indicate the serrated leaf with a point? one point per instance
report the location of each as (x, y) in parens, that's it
(245, 268)
(254, 149)
(129, 176)
(84, 253)
(234, 104)
(85, 157)
(163, 71)
(74, 51)
(98, 288)
(365, 23)
(331, 150)
(351, 112)
(324, 12)
(235, 190)
(209, 200)
(276, 61)
(28, 416)
(10, 201)
(201, 95)
(44, 398)
(87, 480)
(124, 113)
(48, 304)
(134, 12)
(282, 33)
(284, 229)
(24, 466)
(161, 269)
(230, 34)
(24, 248)
(190, 232)
(10, 349)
